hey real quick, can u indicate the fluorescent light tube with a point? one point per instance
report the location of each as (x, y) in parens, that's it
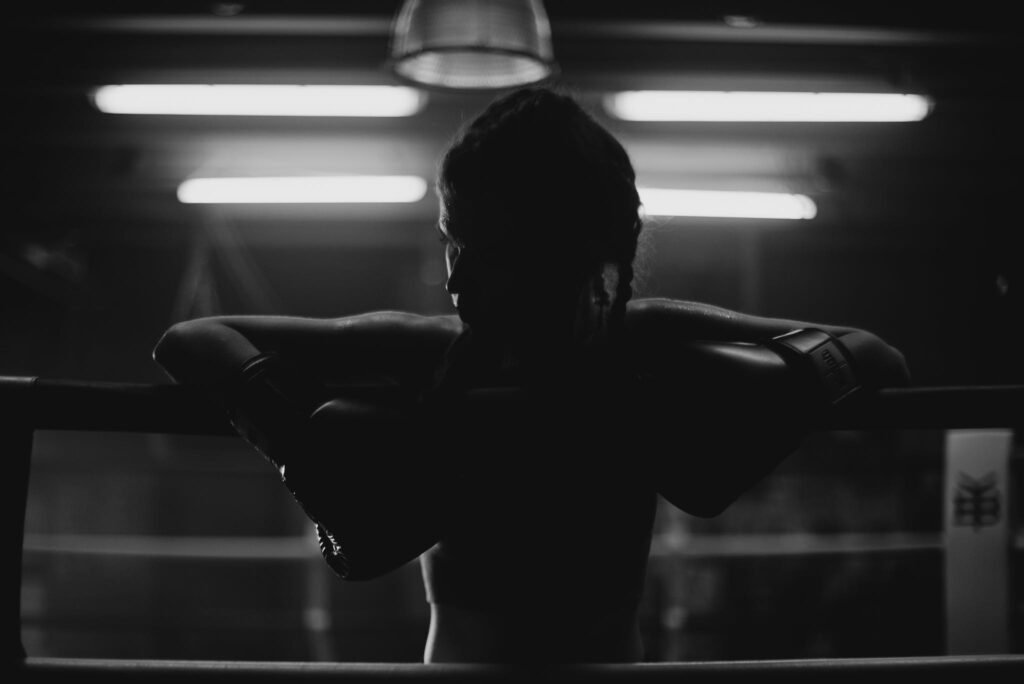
(726, 204)
(303, 190)
(259, 100)
(694, 105)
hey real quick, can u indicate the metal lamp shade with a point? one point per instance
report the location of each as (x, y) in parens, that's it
(472, 44)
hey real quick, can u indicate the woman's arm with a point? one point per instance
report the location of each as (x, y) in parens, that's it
(664, 323)
(374, 346)
(697, 320)
(269, 401)
(742, 400)
(359, 479)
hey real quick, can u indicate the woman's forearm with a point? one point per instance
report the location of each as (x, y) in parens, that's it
(697, 320)
(665, 320)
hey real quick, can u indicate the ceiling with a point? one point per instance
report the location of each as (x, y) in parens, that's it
(130, 163)
(884, 191)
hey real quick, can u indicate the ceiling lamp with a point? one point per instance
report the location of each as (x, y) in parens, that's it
(691, 105)
(303, 190)
(726, 204)
(258, 100)
(472, 44)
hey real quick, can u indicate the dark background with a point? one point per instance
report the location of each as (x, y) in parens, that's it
(917, 238)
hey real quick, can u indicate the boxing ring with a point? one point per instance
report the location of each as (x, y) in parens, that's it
(979, 424)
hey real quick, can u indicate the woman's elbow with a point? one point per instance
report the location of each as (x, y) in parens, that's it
(171, 348)
(878, 363)
(203, 350)
(899, 372)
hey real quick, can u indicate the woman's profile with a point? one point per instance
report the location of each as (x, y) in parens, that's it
(531, 511)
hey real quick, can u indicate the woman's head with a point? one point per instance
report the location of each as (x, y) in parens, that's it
(540, 212)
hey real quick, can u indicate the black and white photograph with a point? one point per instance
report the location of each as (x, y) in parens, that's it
(512, 340)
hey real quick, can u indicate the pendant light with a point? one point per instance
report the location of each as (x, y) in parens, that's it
(472, 44)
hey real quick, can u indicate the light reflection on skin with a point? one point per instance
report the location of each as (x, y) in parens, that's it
(451, 254)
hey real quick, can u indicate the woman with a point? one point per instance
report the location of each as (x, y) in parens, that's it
(532, 508)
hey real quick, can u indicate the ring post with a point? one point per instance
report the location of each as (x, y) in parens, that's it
(977, 541)
(16, 433)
